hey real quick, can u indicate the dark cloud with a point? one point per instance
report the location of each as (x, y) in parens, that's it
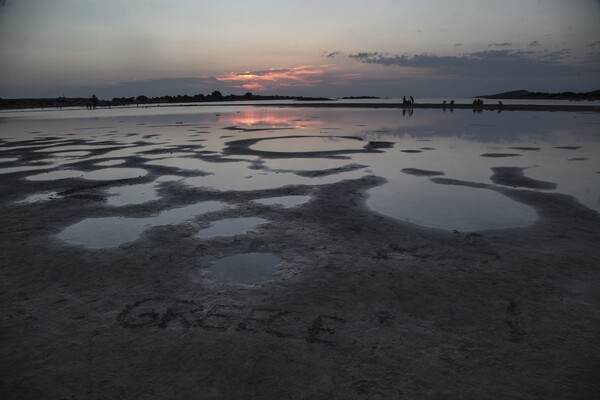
(332, 54)
(489, 63)
(555, 55)
(504, 44)
(364, 56)
(534, 44)
(593, 44)
(457, 44)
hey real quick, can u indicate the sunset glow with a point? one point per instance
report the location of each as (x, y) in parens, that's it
(327, 48)
(275, 78)
(270, 119)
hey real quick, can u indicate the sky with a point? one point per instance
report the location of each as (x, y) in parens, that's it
(332, 48)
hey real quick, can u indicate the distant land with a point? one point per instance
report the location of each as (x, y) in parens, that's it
(527, 95)
(93, 101)
(143, 101)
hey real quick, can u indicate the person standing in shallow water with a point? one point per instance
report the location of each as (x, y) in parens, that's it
(412, 100)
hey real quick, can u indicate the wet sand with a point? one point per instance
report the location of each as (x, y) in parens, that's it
(362, 306)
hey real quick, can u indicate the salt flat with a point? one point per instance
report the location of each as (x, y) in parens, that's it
(443, 270)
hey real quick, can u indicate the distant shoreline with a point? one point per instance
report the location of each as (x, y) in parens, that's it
(484, 107)
(333, 104)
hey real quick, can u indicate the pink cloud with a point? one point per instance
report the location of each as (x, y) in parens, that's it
(270, 79)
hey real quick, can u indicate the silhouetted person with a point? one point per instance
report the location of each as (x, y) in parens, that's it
(412, 100)
(94, 102)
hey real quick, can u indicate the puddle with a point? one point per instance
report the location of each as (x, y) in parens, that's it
(25, 168)
(8, 159)
(166, 155)
(55, 175)
(245, 269)
(97, 175)
(422, 202)
(76, 148)
(239, 177)
(136, 194)
(110, 174)
(132, 194)
(303, 164)
(231, 226)
(71, 154)
(309, 144)
(110, 163)
(190, 164)
(285, 201)
(114, 231)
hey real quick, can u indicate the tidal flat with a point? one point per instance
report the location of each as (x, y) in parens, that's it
(378, 254)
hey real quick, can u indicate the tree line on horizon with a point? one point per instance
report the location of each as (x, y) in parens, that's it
(93, 101)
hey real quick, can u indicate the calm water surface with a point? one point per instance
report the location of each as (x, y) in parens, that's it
(188, 143)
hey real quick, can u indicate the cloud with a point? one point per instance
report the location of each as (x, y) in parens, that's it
(457, 44)
(332, 54)
(489, 63)
(504, 44)
(364, 56)
(534, 44)
(593, 44)
(276, 78)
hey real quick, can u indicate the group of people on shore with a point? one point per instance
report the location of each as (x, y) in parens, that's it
(408, 102)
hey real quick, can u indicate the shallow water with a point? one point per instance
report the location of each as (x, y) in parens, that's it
(97, 175)
(245, 269)
(285, 201)
(115, 231)
(560, 147)
(308, 144)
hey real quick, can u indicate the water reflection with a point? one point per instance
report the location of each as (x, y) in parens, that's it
(245, 269)
(559, 148)
(115, 231)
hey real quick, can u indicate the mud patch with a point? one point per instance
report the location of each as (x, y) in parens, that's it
(245, 269)
(421, 172)
(513, 176)
(500, 155)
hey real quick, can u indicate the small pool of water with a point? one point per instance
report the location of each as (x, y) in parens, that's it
(285, 201)
(114, 231)
(309, 144)
(97, 175)
(245, 269)
(304, 164)
(422, 202)
(137, 194)
(231, 226)
(110, 163)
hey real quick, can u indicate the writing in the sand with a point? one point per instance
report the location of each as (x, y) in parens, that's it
(163, 313)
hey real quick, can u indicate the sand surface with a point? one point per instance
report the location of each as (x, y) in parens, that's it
(361, 306)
